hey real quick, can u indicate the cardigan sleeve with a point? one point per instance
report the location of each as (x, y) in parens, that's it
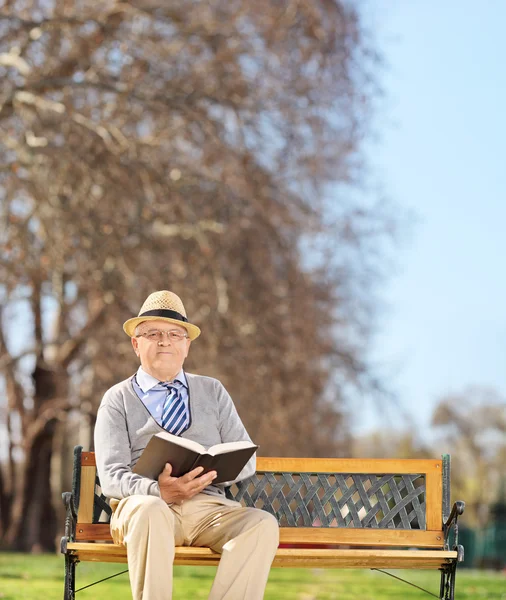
(113, 455)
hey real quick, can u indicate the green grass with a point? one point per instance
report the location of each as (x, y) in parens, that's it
(30, 577)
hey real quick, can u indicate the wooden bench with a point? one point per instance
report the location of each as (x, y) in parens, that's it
(333, 513)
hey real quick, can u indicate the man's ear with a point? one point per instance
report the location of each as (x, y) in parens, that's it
(135, 345)
(188, 344)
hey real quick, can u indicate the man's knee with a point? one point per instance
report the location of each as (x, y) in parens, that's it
(268, 525)
(151, 511)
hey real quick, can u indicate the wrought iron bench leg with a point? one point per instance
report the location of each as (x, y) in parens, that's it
(70, 577)
(447, 588)
(71, 560)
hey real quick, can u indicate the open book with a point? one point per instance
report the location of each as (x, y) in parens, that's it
(226, 459)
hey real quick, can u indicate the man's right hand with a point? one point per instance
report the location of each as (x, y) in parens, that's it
(176, 489)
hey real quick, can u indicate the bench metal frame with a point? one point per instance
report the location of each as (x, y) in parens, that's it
(333, 513)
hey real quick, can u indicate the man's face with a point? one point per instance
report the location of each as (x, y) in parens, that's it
(163, 358)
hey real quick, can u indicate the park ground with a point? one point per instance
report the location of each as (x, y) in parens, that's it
(29, 577)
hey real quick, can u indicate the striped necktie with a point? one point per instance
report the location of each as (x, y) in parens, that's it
(175, 417)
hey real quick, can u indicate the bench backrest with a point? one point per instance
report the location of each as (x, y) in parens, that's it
(356, 502)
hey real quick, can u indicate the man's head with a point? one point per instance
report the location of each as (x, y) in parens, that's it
(161, 347)
(161, 334)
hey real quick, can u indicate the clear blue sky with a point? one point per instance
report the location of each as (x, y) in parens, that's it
(442, 154)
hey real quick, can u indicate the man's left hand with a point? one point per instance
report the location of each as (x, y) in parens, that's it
(174, 490)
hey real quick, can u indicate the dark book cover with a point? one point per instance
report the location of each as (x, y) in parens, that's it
(166, 448)
(227, 465)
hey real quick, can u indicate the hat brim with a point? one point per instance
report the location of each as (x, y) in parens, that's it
(130, 325)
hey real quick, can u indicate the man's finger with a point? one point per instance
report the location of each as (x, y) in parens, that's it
(165, 475)
(192, 474)
(207, 478)
(204, 481)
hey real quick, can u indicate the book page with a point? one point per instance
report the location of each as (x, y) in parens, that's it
(229, 447)
(190, 444)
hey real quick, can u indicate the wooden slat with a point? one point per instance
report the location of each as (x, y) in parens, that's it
(362, 537)
(89, 532)
(332, 465)
(87, 495)
(322, 558)
(356, 563)
(313, 535)
(349, 465)
(434, 498)
(97, 549)
(88, 459)
(340, 558)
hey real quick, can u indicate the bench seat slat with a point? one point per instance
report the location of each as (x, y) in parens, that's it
(287, 557)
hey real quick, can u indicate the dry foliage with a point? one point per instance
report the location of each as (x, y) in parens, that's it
(471, 425)
(207, 148)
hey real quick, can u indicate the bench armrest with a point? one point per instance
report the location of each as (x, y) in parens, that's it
(70, 521)
(452, 523)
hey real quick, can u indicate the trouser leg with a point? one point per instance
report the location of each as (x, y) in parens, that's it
(247, 539)
(150, 531)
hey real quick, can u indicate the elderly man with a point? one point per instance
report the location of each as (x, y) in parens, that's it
(152, 517)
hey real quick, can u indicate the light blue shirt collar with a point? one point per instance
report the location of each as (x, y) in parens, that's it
(147, 381)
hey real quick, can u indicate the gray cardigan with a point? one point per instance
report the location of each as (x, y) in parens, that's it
(124, 426)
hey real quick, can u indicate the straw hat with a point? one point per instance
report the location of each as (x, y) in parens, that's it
(165, 306)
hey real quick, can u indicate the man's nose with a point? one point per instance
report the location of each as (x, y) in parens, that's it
(165, 339)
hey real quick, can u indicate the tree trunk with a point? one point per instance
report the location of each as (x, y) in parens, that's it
(5, 504)
(33, 523)
(37, 529)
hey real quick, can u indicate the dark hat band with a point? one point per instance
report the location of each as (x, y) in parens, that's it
(168, 314)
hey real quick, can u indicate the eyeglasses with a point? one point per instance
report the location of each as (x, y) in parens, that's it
(156, 335)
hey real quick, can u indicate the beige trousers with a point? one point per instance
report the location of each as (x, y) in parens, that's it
(247, 539)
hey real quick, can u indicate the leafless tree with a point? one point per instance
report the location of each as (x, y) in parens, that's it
(471, 425)
(204, 147)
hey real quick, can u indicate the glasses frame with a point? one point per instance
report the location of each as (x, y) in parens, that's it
(173, 336)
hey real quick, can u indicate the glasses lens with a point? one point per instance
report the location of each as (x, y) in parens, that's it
(176, 336)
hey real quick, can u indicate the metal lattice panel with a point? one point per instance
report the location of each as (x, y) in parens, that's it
(101, 510)
(324, 499)
(337, 500)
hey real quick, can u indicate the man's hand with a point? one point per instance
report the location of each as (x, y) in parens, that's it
(176, 489)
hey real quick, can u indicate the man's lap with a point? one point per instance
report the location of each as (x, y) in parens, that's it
(204, 520)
